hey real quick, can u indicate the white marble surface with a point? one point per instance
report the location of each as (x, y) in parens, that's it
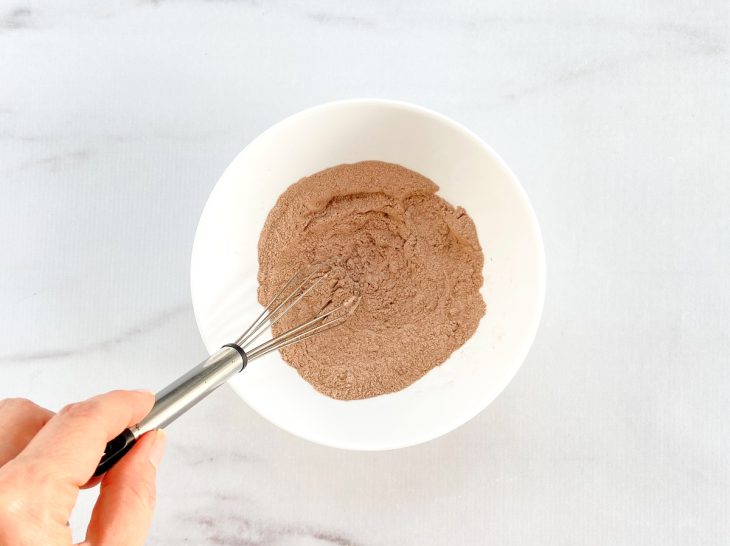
(116, 119)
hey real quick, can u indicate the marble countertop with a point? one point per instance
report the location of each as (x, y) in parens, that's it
(116, 119)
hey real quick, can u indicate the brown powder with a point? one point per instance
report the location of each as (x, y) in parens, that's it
(416, 260)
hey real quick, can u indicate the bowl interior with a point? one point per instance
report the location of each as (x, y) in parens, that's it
(469, 173)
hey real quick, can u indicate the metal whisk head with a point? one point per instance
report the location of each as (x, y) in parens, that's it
(293, 292)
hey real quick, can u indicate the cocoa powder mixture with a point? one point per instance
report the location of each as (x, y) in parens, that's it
(415, 258)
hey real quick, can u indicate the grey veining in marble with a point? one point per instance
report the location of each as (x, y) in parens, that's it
(116, 119)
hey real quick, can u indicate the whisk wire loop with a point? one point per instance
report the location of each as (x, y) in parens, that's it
(284, 300)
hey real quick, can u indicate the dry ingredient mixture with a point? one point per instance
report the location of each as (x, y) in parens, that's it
(415, 259)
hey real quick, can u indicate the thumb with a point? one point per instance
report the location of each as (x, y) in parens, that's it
(123, 512)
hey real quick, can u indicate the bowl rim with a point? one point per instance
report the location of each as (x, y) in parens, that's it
(530, 334)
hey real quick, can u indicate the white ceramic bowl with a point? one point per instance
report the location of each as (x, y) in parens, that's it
(224, 266)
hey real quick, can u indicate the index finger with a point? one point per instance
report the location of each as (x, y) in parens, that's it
(72, 442)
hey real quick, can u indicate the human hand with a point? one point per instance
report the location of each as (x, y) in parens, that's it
(45, 459)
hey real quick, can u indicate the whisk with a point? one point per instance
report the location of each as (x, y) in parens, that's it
(211, 373)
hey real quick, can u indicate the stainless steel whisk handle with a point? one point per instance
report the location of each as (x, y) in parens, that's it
(177, 398)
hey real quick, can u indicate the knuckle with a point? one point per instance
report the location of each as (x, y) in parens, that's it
(17, 404)
(88, 409)
(5, 501)
(7, 520)
(11, 499)
(15, 505)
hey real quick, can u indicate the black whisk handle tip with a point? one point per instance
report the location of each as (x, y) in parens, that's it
(115, 450)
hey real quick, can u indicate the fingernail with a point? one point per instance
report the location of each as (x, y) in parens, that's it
(158, 448)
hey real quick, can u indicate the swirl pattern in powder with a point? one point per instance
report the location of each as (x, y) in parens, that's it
(414, 258)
